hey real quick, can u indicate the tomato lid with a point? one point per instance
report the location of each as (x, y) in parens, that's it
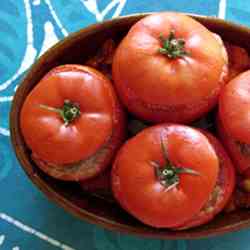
(188, 76)
(68, 115)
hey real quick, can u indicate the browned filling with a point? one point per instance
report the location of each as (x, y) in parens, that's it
(243, 147)
(215, 197)
(80, 170)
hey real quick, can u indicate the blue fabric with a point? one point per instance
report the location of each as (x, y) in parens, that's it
(27, 219)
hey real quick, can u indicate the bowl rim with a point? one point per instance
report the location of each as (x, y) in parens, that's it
(70, 207)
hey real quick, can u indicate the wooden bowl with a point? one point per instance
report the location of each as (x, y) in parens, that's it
(76, 48)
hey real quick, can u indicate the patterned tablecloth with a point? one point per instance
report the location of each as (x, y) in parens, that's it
(28, 221)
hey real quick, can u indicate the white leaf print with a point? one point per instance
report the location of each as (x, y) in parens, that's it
(15, 248)
(50, 37)
(33, 232)
(92, 7)
(222, 9)
(54, 15)
(2, 238)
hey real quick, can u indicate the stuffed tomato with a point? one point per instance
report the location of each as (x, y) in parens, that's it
(169, 68)
(233, 120)
(72, 122)
(172, 176)
(223, 190)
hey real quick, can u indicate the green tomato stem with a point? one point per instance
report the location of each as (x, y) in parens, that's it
(69, 112)
(168, 174)
(173, 47)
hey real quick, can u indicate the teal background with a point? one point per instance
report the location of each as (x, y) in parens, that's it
(19, 199)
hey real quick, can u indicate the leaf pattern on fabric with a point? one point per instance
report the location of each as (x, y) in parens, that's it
(80, 13)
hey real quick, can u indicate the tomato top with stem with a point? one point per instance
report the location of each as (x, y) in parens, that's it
(68, 115)
(172, 191)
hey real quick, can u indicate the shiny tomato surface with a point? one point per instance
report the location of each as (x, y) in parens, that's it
(84, 146)
(223, 190)
(233, 120)
(155, 83)
(138, 183)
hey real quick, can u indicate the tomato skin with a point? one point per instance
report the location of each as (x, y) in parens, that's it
(233, 122)
(241, 161)
(137, 189)
(86, 146)
(225, 182)
(158, 89)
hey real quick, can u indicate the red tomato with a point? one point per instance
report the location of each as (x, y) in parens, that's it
(165, 174)
(233, 120)
(169, 68)
(72, 122)
(223, 189)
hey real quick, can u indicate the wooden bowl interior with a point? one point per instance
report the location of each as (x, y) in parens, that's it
(77, 48)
